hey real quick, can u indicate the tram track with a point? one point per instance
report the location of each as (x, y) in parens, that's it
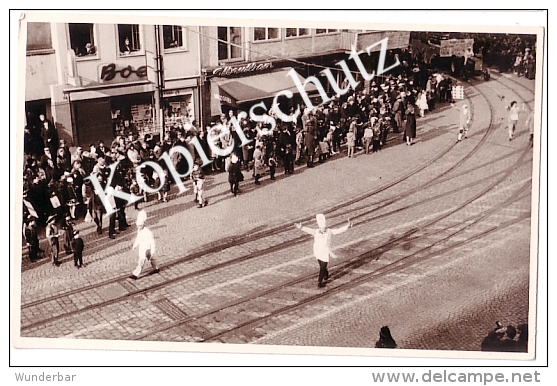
(370, 255)
(273, 231)
(399, 264)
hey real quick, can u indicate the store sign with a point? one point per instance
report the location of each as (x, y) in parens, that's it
(223, 98)
(457, 47)
(171, 93)
(236, 70)
(110, 72)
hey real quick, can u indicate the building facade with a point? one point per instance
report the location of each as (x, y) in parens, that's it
(248, 65)
(96, 81)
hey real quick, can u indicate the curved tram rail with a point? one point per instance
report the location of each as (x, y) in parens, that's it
(274, 231)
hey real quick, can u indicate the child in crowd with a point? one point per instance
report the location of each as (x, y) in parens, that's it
(351, 142)
(136, 191)
(77, 245)
(165, 186)
(272, 165)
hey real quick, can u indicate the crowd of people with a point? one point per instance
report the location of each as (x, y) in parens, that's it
(509, 53)
(55, 183)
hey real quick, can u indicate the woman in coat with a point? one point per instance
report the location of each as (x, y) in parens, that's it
(235, 175)
(259, 164)
(410, 130)
(309, 141)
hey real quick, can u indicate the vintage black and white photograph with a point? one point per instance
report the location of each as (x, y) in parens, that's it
(224, 185)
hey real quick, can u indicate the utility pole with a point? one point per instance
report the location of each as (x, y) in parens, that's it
(159, 69)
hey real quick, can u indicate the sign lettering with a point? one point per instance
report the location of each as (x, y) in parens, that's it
(222, 98)
(109, 72)
(229, 70)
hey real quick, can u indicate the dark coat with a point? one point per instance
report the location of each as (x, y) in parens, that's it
(235, 172)
(310, 138)
(77, 245)
(410, 125)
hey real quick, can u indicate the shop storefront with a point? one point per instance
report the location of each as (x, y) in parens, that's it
(102, 113)
(179, 104)
(242, 92)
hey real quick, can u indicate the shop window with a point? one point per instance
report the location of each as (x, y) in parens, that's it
(129, 38)
(262, 33)
(325, 31)
(229, 43)
(173, 36)
(293, 32)
(82, 39)
(178, 111)
(39, 37)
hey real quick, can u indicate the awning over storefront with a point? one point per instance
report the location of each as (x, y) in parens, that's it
(83, 93)
(255, 88)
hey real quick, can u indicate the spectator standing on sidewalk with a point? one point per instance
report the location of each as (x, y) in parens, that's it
(259, 164)
(52, 235)
(32, 239)
(351, 142)
(272, 162)
(309, 141)
(235, 175)
(97, 206)
(299, 145)
(368, 135)
(198, 180)
(322, 244)
(146, 243)
(67, 227)
(410, 124)
(77, 245)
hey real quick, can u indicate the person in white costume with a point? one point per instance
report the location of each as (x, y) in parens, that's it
(146, 243)
(322, 244)
(464, 122)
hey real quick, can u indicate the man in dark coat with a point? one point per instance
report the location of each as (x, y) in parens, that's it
(67, 226)
(50, 136)
(310, 141)
(77, 245)
(283, 142)
(32, 239)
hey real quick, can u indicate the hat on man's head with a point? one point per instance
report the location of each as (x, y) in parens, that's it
(141, 217)
(75, 233)
(51, 218)
(321, 220)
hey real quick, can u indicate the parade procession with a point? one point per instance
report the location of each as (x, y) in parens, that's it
(179, 182)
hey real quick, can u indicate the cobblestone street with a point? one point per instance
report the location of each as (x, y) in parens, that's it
(440, 250)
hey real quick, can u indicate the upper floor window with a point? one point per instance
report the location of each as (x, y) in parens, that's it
(291, 32)
(173, 36)
(129, 38)
(38, 36)
(325, 31)
(230, 43)
(262, 33)
(82, 39)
